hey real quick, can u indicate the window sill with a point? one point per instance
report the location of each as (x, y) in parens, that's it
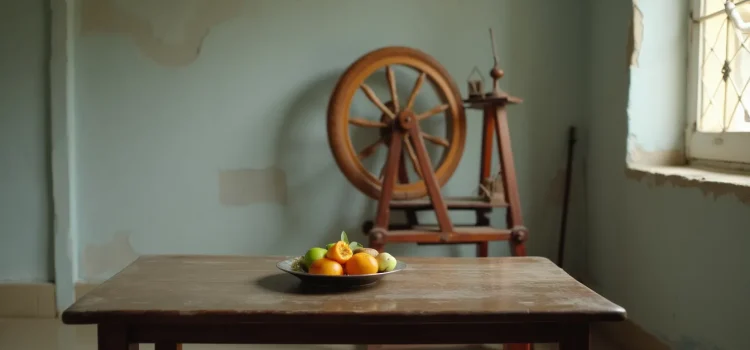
(711, 181)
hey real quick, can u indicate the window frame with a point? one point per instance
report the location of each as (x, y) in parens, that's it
(717, 148)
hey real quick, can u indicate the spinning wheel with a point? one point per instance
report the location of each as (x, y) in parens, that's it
(383, 61)
(399, 130)
(398, 125)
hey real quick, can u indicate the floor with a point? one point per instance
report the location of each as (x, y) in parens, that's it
(50, 334)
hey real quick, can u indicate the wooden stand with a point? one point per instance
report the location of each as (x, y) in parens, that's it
(381, 232)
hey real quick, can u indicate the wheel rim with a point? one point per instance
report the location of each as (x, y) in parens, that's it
(339, 118)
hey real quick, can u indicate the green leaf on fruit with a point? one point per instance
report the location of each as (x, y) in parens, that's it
(344, 237)
(355, 246)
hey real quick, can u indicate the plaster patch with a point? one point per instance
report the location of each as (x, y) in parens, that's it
(102, 260)
(638, 155)
(171, 32)
(241, 187)
(709, 182)
(635, 35)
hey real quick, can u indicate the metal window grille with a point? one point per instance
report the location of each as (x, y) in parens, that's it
(724, 93)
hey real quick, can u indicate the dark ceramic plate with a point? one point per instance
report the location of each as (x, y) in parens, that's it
(337, 281)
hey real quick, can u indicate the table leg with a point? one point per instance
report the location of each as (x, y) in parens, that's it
(576, 338)
(114, 337)
(167, 346)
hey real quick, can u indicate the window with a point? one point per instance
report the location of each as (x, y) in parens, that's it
(719, 84)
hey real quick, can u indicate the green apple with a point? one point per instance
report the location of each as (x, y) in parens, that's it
(312, 255)
(386, 262)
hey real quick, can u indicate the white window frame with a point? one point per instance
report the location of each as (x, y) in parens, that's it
(727, 148)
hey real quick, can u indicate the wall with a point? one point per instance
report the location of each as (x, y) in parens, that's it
(673, 256)
(25, 245)
(201, 124)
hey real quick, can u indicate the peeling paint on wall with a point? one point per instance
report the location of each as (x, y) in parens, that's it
(635, 35)
(638, 155)
(240, 187)
(100, 260)
(710, 183)
(171, 32)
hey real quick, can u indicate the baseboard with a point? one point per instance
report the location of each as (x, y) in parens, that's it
(27, 300)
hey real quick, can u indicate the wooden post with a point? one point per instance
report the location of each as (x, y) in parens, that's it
(514, 217)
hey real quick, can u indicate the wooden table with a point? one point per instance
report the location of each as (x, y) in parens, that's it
(168, 300)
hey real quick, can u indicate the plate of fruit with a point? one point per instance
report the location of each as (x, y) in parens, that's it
(342, 263)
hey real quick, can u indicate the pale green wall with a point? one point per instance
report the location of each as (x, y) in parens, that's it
(675, 258)
(148, 176)
(153, 138)
(25, 245)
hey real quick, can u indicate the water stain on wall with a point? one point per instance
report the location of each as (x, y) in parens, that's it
(171, 32)
(241, 187)
(100, 260)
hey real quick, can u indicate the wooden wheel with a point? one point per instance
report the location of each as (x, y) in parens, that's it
(384, 62)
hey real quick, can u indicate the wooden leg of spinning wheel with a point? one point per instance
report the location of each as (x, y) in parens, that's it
(516, 346)
(518, 248)
(485, 168)
(403, 177)
(514, 217)
(386, 193)
(483, 249)
(433, 189)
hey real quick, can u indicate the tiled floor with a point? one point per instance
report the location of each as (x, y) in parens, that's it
(50, 334)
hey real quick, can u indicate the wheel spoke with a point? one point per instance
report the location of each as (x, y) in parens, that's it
(413, 156)
(414, 91)
(369, 150)
(436, 140)
(366, 123)
(392, 84)
(432, 112)
(371, 95)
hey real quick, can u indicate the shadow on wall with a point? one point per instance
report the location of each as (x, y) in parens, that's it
(548, 73)
(298, 153)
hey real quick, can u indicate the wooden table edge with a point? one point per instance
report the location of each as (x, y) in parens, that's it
(175, 317)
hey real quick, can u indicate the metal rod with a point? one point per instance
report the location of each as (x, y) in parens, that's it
(701, 19)
(494, 50)
(566, 197)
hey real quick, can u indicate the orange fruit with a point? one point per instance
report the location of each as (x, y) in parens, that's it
(339, 252)
(361, 264)
(326, 267)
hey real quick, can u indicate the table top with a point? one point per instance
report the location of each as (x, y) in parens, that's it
(216, 289)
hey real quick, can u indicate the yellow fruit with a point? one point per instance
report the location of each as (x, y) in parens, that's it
(326, 267)
(361, 264)
(339, 252)
(370, 251)
(386, 262)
